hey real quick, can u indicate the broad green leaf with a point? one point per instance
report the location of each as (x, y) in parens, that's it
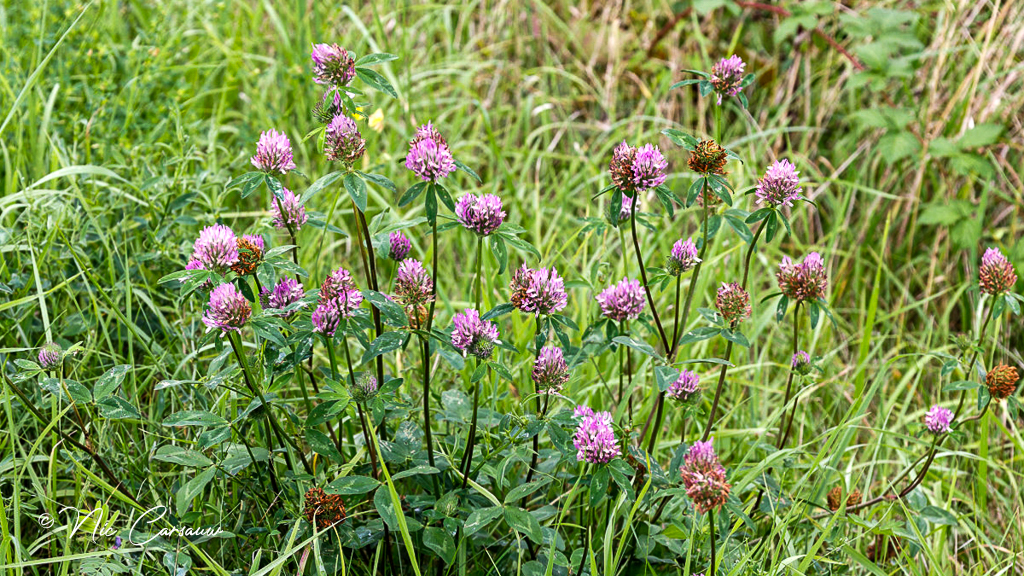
(375, 80)
(322, 445)
(392, 312)
(523, 522)
(193, 488)
(117, 408)
(524, 490)
(182, 456)
(109, 382)
(479, 518)
(194, 418)
(383, 344)
(356, 189)
(441, 542)
(353, 485)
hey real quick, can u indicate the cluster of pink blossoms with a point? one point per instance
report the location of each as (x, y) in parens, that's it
(804, 282)
(595, 440)
(339, 298)
(540, 291)
(474, 335)
(622, 301)
(727, 76)
(685, 387)
(938, 419)
(704, 477)
(733, 302)
(550, 371)
(429, 156)
(480, 214)
(637, 169)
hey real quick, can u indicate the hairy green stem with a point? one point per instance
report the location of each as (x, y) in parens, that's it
(784, 435)
(711, 524)
(471, 439)
(283, 438)
(728, 348)
(362, 423)
(371, 280)
(478, 280)
(536, 390)
(425, 348)
(643, 276)
(675, 340)
(718, 394)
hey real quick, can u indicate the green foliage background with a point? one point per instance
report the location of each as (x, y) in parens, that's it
(123, 121)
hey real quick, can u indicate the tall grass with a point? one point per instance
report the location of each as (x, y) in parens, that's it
(124, 121)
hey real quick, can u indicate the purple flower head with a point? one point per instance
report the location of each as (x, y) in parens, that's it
(332, 65)
(341, 290)
(50, 356)
(228, 309)
(780, 185)
(473, 335)
(622, 301)
(733, 303)
(704, 477)
(996, 274)
(685, 387)
(365, 389)
(626, 210)
(938, 419)
(550, 371)
(414, 290)
(429, 156)
(273, 153)
(428, 132)
(413, 285)
(539, 291)
(288, 211)
(727, 76)
(326, 317)
(804, 282)
(595, 439)
(481, 214)
(683, 257)
(582, 411)
(801, 363)
(216, 248)
(287, 292)
(342, 141)
(399, 246)
(637, 169)
(648, 168)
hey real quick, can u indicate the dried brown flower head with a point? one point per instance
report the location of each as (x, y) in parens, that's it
(1002, 381)
(835, 496)
(708, 158)
(322, 509)
(853, 499)
(250, 254)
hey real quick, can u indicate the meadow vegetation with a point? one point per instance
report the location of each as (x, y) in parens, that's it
(306, 436)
